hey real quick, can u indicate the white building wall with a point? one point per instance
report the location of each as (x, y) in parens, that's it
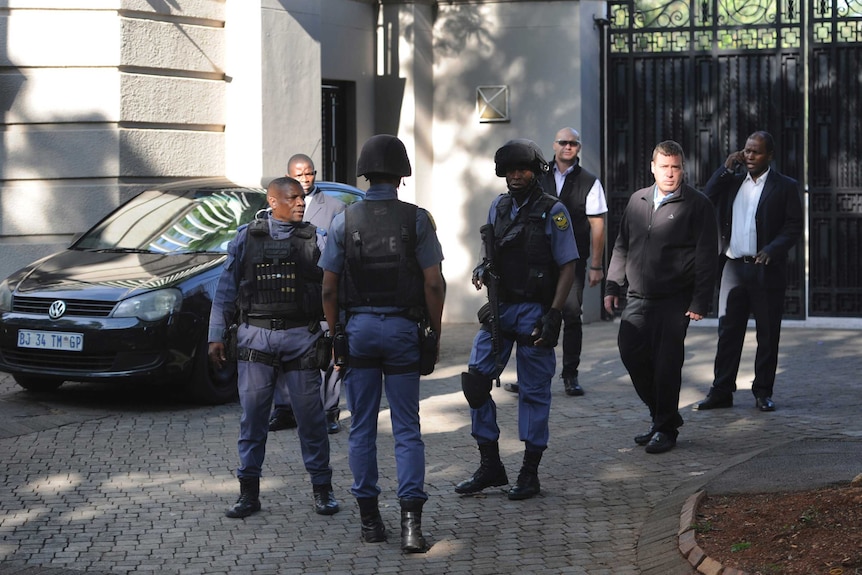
(534, 48)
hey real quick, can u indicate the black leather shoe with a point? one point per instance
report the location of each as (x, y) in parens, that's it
(572, 386)
(324, 500)
(644, 438)
(282, 419)
(512, 387)
(661, 442)
(764, 404)
(714, 402)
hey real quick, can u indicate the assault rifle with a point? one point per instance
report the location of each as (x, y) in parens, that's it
(491, 279)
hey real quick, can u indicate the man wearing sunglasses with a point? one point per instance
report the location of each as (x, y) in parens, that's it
(582, 194)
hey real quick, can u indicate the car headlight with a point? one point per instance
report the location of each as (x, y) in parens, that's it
(151, 306)
(5, 296)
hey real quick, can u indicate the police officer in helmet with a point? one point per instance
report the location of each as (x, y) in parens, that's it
(381, 267)
(534, 255)
(271, 281)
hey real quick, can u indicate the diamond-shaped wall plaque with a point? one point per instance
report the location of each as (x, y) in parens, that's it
(492, 103)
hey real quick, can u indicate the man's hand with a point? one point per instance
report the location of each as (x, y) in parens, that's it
(216, 354)
(548, 329)
(479, 275)
(612, 303)
(596, 277)
(762, 258)
(734, 159)
(693, 316)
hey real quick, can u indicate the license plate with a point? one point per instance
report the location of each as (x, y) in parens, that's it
(57, 340)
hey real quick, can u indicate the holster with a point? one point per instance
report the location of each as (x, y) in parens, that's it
(476, 388)
(428, 351)
(323, 351)
(339, 346)
(229, 338)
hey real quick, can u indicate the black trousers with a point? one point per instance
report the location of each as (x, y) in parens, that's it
(743, 292)
(652, 347)
(573, 332)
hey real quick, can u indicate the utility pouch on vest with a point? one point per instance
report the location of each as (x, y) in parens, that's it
(323, 351)
(428, 351)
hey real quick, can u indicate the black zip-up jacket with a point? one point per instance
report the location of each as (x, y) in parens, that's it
(667, 252)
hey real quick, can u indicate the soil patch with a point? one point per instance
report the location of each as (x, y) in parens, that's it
(816, 532)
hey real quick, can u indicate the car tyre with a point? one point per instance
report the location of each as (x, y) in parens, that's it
(209, 385)
(36, 383)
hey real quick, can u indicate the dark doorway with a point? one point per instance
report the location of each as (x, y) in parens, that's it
(338, 123)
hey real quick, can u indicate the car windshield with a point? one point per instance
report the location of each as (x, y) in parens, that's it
(181, 221)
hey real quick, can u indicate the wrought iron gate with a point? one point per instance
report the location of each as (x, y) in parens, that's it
(707, 73)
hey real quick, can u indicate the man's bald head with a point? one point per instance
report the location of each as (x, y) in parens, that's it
(286, 198)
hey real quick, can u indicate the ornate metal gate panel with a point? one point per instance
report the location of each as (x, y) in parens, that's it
(706, 74)
(835, 160)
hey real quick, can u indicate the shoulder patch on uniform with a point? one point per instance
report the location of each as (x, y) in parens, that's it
(431, 219)
(561, 221)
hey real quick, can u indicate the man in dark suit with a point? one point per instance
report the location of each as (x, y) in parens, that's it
(760, 219)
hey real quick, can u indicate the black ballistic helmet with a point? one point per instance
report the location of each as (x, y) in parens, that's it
(383, 154)
(520, 153)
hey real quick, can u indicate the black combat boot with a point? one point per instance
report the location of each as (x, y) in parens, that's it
(412, 540)
(373, 529)
(491, 472)
(528, 479)
(248, 502)
(324, 501)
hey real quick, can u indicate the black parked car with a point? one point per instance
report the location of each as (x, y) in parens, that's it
(130, 299)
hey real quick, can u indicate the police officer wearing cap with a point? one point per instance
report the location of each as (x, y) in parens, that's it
(535, 254)
(272, 280)
(381, 267)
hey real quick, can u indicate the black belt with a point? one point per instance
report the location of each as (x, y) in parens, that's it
(271, 359)
(748, 259)
(276, 322)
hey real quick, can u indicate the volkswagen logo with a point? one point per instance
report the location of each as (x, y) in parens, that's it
(57, 309)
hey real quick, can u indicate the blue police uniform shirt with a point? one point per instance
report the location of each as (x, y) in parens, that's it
(224, 300)
(558, 227)
(428, 250)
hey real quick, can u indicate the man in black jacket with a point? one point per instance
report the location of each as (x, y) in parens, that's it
(760, 213)
(667, 250)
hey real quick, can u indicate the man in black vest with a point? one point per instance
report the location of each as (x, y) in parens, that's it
(582, 194)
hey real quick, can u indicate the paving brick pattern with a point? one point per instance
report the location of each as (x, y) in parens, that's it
(101, 479)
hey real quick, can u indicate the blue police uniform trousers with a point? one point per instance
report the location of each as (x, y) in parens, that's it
(394, 341)
(257, 383)
(535, 368)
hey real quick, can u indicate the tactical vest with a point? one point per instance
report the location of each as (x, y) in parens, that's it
(380, 256)
(280, 277)
(526, 263)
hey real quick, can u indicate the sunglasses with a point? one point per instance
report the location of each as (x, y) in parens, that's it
(564, 143)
